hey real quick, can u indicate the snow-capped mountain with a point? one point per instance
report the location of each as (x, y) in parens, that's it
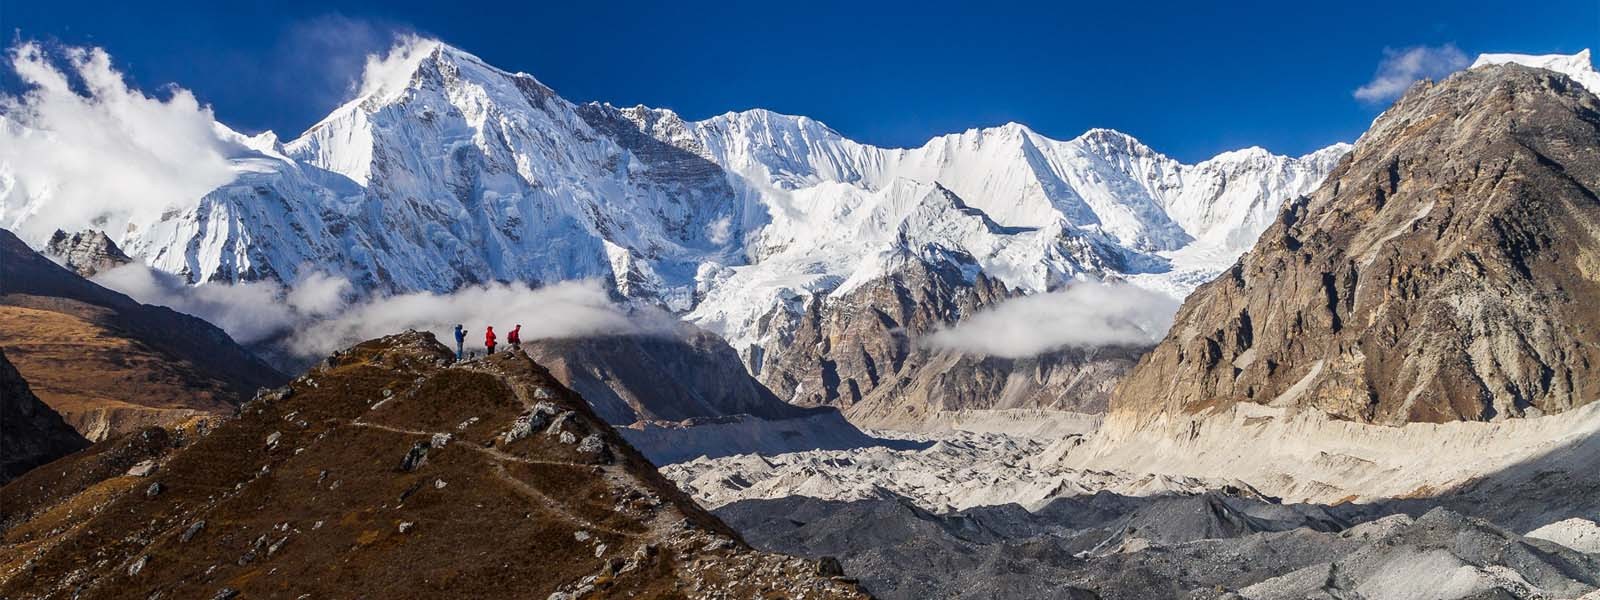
(1577, 66)
(445, 171)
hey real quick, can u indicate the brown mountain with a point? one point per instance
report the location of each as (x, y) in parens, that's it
(1447, 270)
(387, 472)
(109, 364)
(32, 434)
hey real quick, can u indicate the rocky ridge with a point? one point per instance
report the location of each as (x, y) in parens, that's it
(390, 470)
(87, 252)
(1441, 273)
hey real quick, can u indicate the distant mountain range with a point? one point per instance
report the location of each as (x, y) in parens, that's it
(447, 171)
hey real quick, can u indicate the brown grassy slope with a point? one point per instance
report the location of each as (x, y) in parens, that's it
(102, 382)
(320, 511)
(109, 359)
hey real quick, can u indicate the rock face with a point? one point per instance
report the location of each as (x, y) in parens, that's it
(944, 388)
(861, 350)
(109, 364)
(1445, 271)
(670, 377)
(391, 472)
(680, 395)
(33, 434)
(842, 347)
(87, 252)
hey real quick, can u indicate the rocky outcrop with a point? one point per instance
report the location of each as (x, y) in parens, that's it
(1445, 271)
(87, 252)
(390, 469)
(841, 347)
(940, 386)
(33, 434)
(109, 364)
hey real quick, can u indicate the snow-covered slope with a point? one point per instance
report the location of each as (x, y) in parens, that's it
(1577, 66)
(445, 171)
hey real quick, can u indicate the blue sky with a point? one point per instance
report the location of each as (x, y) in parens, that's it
(1189, 79)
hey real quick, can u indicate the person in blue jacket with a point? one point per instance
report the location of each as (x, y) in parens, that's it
(461, 339)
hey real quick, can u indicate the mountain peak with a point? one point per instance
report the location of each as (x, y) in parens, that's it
(1293, 308)
(1577, 66)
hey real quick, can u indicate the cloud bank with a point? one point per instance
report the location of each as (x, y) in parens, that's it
(316, 316)
(1083, 314)
(82, 148)
(568, 309)
(1400, 68)
(248, 311)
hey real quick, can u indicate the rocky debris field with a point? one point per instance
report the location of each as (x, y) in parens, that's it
(385, 472)
(942, 472)
(1208, 546)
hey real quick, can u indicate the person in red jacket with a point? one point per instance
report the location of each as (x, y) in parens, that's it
(488, 339)
(515, 337)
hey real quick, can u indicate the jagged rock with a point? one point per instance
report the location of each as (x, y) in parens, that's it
(138, 565)
(406, 526)
(829, 566)
(154, 490)
(414, 457)
(535, 419)
(439, 440)
(225, 594)
(143, 469)
(192, 530)
(87, 252)
(591, 444)
(567, 437)
(268, 396)
(272, 440)
(558, 425)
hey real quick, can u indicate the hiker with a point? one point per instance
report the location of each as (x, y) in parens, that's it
(461, 340)
(515, 337)
(488, 339)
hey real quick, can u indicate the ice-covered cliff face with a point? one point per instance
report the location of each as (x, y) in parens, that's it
(445, 171)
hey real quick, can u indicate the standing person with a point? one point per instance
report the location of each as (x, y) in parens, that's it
(488, 339)
(515, 337)
(461, 340)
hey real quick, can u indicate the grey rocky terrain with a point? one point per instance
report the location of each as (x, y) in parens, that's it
(1211, 545)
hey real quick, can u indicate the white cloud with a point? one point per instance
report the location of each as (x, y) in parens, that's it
(319, 294)
(568, 309)
(313, 319)
(1083, 314)
(720, 230)
(249, 312)
(80, 147)
(391, 72)
(1400, 68)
